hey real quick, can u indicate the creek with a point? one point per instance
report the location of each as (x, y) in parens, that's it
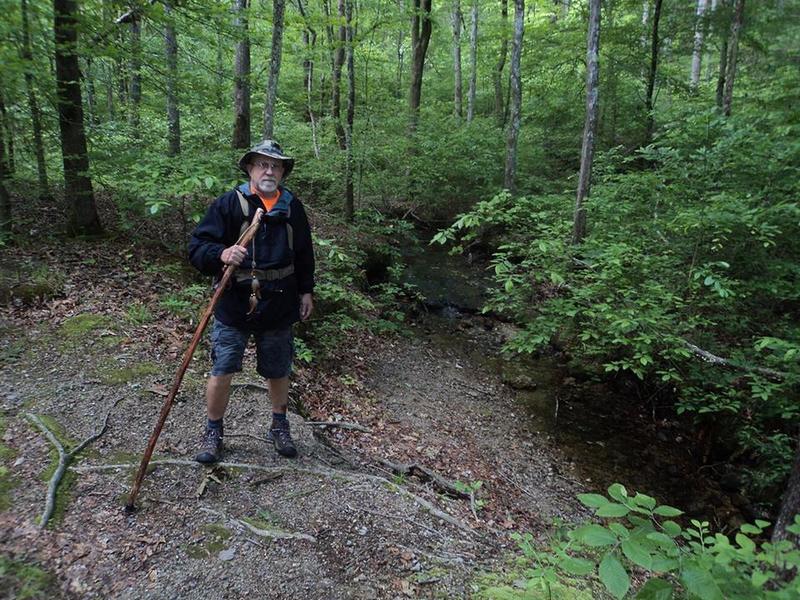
(605, 433)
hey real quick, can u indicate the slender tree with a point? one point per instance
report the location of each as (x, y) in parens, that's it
(278, 9)
(5, 197)
(697, 51)
(473, 62)
(723, 62)
(497, 74)
(33, 105)
(241, 80)
(651, 74)
(457, 88)
(135, 28)
(733, 51)
(310, 42)
(173, 110)
(590, 124)
(82, 216)
(5, 122)
(420, 38)
(516, 96)
(349, 203)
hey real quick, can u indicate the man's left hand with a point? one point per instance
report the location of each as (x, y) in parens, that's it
(306, 306)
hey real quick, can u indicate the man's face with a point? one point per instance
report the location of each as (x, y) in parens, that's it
(265, 173)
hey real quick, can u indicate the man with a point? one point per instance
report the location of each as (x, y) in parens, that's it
(270, 290)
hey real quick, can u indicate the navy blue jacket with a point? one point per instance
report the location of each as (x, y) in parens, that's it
(279, 306)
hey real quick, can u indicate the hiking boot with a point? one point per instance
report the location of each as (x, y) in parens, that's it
(210, 446)
(281, 438)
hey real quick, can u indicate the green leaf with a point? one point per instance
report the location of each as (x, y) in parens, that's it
(593, 500)
(645, 500)
(667, 511)
(614, 576)
(655, 589)
(661, 539)
(751, 529)
(759, 578)
(577, 566)
(620, 529)
(618, 492)
(594, 535)
(637, 553)
(612, 510)
(662, 564)
(671, 528)
(745, 542)
(699, 582)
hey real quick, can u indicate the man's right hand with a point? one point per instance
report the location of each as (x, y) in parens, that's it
(233, 255)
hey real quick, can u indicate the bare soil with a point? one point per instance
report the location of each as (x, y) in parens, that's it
(341, 523)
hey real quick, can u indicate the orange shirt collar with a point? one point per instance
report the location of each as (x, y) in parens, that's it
(268, 201)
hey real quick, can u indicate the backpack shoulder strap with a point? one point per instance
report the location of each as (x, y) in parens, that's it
(245, 211)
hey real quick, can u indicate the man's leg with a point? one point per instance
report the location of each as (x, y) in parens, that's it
(218, 393)
(227, 349)
(279, 394)
(279, 433)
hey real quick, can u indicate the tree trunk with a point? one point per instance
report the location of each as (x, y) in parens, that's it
(790, 505)
(91, 104)
(82, 216)
(33, 105)
(420, 38)
(349, 202)
(457, 91)
(173, 111)
(733, 51)
(697, 52)
(337, 60)
(473, 62)
(497, 75)
(241, 81)
(400, 51)
(310, 42)
(723, 64)
(516, 97)
(590, 125)
(651, 75)
(136, 74)
(278, 9)
(5, 197)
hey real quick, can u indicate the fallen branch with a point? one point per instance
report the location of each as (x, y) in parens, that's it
(444, 485)
(718, 360)
(64, 458)
(332, 473)
(339, 424)
(275, 534)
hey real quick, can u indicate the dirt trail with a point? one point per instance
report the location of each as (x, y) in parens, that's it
(353, 528)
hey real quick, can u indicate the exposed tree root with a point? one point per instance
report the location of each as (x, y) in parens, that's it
(443, 484)
(339, 424)
(64, 458)
(319, 471)
(275, 534)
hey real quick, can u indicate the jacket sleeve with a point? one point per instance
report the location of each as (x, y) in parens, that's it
(303, 249)
(210, 238)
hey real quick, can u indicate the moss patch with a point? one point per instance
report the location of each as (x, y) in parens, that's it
(80, 325)
(7, 482)
(211, 544)
(23, 580)
(120, 375)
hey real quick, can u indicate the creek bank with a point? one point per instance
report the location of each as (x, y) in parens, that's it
(605, 435)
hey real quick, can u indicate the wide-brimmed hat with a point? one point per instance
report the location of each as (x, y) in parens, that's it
(269, 148)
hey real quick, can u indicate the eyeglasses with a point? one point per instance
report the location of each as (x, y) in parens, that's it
(265, 165)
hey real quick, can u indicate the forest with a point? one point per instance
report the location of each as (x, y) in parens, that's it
(588, 206)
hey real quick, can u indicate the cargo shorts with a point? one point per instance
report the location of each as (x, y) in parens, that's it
(274, 350)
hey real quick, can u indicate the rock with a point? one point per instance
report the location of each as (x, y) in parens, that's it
(227, 554)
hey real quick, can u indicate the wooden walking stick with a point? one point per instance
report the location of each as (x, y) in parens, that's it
(176, 384)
